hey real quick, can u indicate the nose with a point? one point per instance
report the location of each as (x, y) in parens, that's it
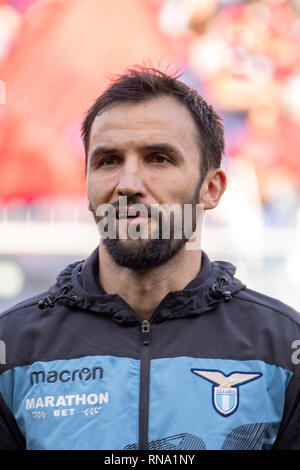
(131, 181)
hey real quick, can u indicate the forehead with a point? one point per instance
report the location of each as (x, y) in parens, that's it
(148, 121)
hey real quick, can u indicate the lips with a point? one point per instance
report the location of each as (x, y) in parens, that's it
(123, 215)
(126, 215)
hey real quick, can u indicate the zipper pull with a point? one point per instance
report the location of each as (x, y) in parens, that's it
(145, 327)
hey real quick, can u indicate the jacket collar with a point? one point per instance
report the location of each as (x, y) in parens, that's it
(88, 277)
(78, 286)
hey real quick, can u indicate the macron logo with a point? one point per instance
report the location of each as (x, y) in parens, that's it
(52, 376)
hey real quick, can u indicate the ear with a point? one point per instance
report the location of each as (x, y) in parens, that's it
(90, 206)
(212, 188)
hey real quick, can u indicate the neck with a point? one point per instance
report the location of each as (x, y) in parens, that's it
(144, 290)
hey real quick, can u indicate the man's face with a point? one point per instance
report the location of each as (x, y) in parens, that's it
(148, 152)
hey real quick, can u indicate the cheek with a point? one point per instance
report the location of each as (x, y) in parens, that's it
(166, 186)
(99, 190)
(178, 190)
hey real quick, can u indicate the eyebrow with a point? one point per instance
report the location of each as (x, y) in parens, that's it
(163, 147)
(100, 150)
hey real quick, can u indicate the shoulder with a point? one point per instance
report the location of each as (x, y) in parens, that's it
(13, 312)
(262, 303)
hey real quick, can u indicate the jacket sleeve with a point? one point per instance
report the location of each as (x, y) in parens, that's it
(10, 435)
(288, 437)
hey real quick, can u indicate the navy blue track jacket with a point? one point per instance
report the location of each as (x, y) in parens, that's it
(215, 367)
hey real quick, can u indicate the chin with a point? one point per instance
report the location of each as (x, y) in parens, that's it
(142, 254)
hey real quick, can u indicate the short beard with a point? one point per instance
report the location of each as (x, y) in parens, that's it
(146, 254)
(150, 254)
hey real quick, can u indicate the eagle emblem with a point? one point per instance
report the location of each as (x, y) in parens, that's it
(225, 390)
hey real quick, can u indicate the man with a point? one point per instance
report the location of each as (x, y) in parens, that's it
(147, 344)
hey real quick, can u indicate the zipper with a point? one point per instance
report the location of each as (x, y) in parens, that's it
(146, 327)
(144, 385)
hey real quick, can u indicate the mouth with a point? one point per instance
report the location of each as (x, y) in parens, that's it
(124, 215)
(121, 215)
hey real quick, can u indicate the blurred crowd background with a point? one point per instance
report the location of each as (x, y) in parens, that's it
(57, 56)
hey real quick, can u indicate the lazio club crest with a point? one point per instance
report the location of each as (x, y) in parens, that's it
(225, 390)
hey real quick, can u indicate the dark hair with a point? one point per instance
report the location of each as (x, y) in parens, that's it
(144, 83)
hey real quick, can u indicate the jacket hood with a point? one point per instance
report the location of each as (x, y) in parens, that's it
(78, 287)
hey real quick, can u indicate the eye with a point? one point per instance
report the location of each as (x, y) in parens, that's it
(158, 158)
(107, 161)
